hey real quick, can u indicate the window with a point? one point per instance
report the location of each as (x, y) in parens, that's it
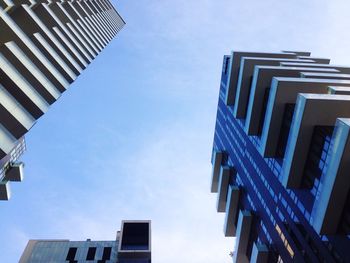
(284, 133)
(107, 253)
(262, 115)
(317, 155)
(227, 61)
(71, 254)
(91, 253)
(344, 226)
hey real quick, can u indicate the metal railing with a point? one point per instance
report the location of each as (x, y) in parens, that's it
(13, 156)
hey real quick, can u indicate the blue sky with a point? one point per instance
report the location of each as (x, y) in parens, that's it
(132, 137)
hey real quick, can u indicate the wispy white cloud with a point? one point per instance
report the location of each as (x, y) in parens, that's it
(165, 179)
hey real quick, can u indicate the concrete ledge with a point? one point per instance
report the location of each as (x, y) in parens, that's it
(325, 75)
(329, 206)
(308, 115)
(15, 172)
(298, 53)
(233, 70)
(246, 71)
(244, 224)
(339, 90)
(317, 60)
(135, 241)
(225, 174)
(260, 254)
(261, 82)
(230, 225)
(342, 69)
(282, 92)
(5, 192)
(216, 162)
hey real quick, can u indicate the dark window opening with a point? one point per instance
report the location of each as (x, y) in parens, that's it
(336, 256)
(135, 236)
(309, 240)
(71, 254)
(91, 253)
(249, 91)
(107, 253)
(227, 60)
(263, 111)
(294, 238)
(317, 155)
(344, 225)
(284, 133)
(224, 158)
(297, 243)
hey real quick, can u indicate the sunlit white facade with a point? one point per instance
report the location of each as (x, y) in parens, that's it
(44, 47)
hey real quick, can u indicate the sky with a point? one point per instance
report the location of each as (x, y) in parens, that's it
(132, 137)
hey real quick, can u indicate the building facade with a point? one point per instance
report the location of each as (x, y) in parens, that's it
(44, 46)
(132, 245)
(281, 157)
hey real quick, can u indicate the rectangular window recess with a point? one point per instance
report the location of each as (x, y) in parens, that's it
(107, 253)
(71, 254)
(91, 253)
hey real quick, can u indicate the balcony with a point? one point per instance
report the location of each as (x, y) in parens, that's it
(342, 69)
(246, 72)
(244, 224)
(226, 173)
(234, 70)
(284, 91)
(260, 87)
(216, 162)
(319, 75)
(135, 240)
(339, 90)
(5, 192)
(328, 210)
(308, 115)
(260, 254)
(231, 210)
(14, 173)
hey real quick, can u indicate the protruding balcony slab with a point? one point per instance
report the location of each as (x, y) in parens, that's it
(5, 192)
(14, 33)
(325, 75)
(21, 89)
(70, 28)
(230, 225)
(69, 54)
(7, 141)
(225, 174)
(317, 60)
(244, 224)
(307, 115)
(51, 21)
(298, 53)
(260, 254)
(246, 71)
(342, 69)
(259, 91)
(335, 182)
(216, 162)
(234, 69)
(30, 72)
(15, 172)
(135, 242)
(339, 90)
(13, 116)
(285, 91)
